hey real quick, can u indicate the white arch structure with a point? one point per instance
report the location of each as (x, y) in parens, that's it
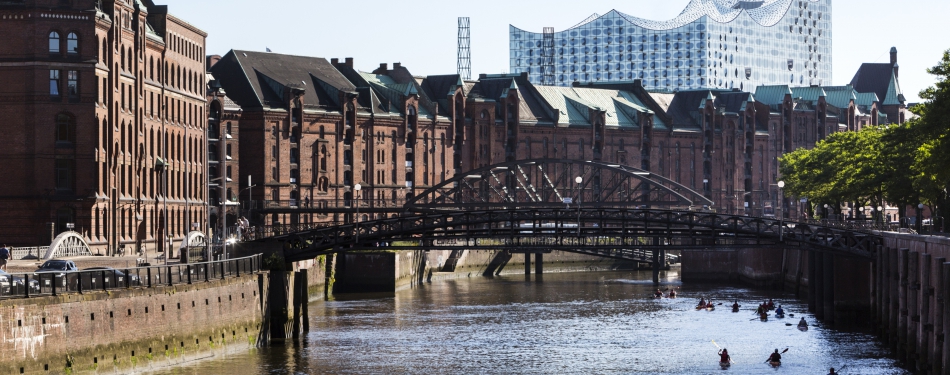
(67, 244)
(194, 238)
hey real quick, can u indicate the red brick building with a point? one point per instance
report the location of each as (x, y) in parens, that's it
(311, 130)
(104, 109)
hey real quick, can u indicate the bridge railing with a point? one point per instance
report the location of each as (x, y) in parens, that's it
(52, 283)
(32, 252)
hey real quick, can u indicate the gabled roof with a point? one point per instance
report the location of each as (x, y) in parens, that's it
(496, 87)
(573, 105)
(685, 108)
(439, 87)
(840, 96)
(877, 78)
(809, 94)
(772, 95)
(864, 100)
(259, 79)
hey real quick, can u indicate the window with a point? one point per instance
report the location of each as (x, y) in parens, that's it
(64, 170)
(65, 129)
(72, 44)
(54, 83)
(53, 42)
(72, 84)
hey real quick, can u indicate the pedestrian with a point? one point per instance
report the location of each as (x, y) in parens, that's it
(4, 255)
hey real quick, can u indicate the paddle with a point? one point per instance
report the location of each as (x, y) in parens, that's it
(720, 349)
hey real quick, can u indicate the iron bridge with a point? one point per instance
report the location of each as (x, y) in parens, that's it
(586, 207)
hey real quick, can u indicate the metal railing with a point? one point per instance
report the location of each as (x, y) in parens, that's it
(51, 283)
(320, 203)
(266, 231)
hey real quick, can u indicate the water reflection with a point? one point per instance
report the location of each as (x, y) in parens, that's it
(603, 323)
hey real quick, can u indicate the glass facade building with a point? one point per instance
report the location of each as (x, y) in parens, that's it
(711, 44)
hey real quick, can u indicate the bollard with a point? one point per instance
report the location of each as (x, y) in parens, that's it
(902, 268)
(913, 307)
(938, 334)
(925, 327)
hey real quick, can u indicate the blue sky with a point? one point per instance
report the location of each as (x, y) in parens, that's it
(422, 34)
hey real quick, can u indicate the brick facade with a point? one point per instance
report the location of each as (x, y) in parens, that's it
(105, 101)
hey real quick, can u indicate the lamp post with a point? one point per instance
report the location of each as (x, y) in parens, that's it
(781, 206)
(578, 180)
(880, 214)
(920, 216)
(357, 187)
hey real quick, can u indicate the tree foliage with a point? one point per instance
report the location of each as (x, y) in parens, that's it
(900, 164)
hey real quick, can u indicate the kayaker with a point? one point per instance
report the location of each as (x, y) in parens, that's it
(709, 303)
(775, 357)
(770, 305)
(735, 305)
(724, 356)
(702, 302)
(658, 294)
(779, 310)
(673, 293)
(760, 309)
(802, 323)
(832, 372)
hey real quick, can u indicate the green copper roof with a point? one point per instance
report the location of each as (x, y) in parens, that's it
(574, 105)
(894, 95)
(772, 95)
(810, 94)
(840, 96)
(865, 99)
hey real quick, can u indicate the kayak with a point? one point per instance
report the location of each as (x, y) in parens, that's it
(764, 316)
(780, 316)
(775, 363)
(803, 328)
(710, 308)
(735, 309)
(725, 364)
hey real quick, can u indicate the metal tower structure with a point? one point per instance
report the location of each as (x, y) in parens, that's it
(465, 51)
(547, 57)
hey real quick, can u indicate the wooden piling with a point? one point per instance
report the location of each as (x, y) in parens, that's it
(812, 281)
(895, 310)
(305, 300)
(946, 317)
(938, 334)
(913, 307)
(925, 327)
(828, 284)
(902, 292)
(527, 265)
(819, 285)
(538, 264)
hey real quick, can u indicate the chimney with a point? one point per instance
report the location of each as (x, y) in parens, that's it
(211, 60)
(349, 62)
(397, 65)
(334, 61)
(893, 55)
(383, 67)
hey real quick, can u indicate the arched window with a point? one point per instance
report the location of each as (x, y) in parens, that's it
(53, 42)
(65, 129)
(72, 44)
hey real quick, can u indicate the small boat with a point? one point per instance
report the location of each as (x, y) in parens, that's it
(764, 316)
(780, 316)
(803, 328)
(775, 363)
(710, 308)
(725, 364)
(735, 309)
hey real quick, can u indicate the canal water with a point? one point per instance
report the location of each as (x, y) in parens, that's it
(581, 323)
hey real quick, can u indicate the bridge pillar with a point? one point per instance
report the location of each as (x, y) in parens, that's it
(538, 265)
(939, 334)
(828, 284)
(812, 280)
(902, 268)
(878, 291)
(819, 285)
(925, 327)
(656, 266)
(527, 265)
(884, 283)
(913, 307)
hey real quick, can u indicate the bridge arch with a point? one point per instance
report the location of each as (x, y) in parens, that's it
(551, 183)
(67, 244)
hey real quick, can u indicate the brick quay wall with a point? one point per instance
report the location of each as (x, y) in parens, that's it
(130, 330)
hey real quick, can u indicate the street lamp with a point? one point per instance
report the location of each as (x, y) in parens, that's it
(357, 187)
(578, 180)
(781, 206)
(920, 216)
(880, 214)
